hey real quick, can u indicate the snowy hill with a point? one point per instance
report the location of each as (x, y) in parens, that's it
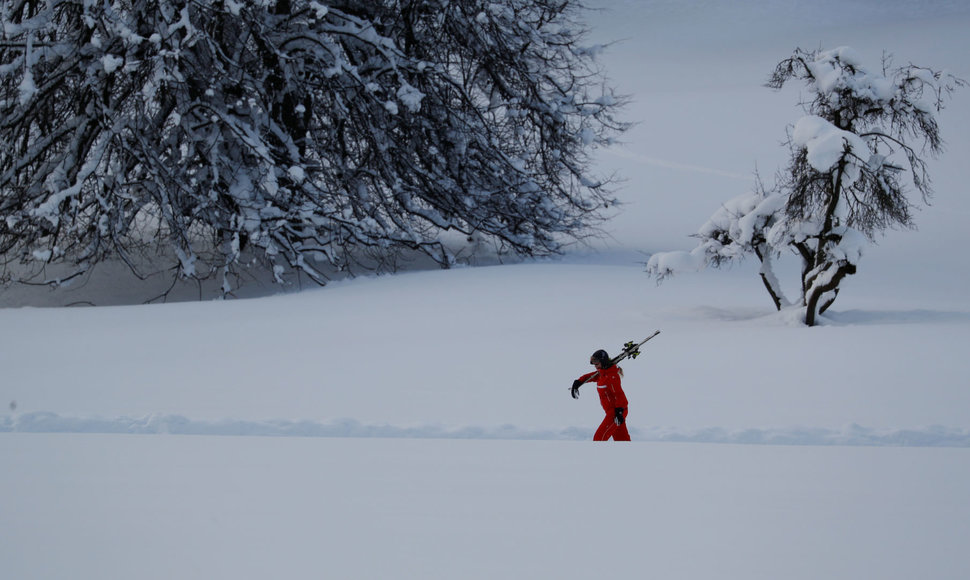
(419, 425)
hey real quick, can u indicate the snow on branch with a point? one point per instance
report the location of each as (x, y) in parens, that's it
(300, 136)
(855, 154)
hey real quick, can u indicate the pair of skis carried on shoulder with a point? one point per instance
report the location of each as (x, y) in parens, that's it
(630, 350)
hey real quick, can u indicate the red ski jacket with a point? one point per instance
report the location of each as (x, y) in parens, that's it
(609, 389)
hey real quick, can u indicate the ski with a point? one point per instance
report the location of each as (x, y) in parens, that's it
(630, 349)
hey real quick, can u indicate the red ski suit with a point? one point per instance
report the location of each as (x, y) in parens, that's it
(612, 397)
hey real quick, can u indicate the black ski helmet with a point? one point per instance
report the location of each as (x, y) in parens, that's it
(601, 357)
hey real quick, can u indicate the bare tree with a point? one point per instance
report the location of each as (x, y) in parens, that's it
(295, 136)
(855, 158)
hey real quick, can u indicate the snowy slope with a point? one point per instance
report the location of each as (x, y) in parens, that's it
(158, 507)
(419, 425)
(490, 351)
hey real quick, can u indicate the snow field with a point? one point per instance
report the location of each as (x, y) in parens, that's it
(380, 392)
(487, 351)
(147, 507)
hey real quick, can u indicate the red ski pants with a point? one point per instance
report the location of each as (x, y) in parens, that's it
(608, 428)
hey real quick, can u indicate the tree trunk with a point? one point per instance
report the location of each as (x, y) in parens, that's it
(816, 291)
(828, 300)
(806, 254)
(768, 278)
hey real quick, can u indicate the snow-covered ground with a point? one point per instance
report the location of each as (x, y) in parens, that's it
(420, 425)
(163, 507)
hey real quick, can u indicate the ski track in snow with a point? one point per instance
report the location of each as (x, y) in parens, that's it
(851, 435)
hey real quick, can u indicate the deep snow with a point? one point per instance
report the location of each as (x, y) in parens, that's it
(420, 426)
(156, 507)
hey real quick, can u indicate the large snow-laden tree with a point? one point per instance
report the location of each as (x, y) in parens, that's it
(856, 157)
(295, 134)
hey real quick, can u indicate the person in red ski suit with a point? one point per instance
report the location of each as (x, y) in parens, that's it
(612, 397)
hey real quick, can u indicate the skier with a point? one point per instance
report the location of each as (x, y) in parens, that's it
(611, 394)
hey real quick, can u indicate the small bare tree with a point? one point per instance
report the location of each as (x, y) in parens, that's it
(855, 157)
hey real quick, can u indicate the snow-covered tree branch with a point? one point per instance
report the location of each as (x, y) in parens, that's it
(855, 156)
(291, 134)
